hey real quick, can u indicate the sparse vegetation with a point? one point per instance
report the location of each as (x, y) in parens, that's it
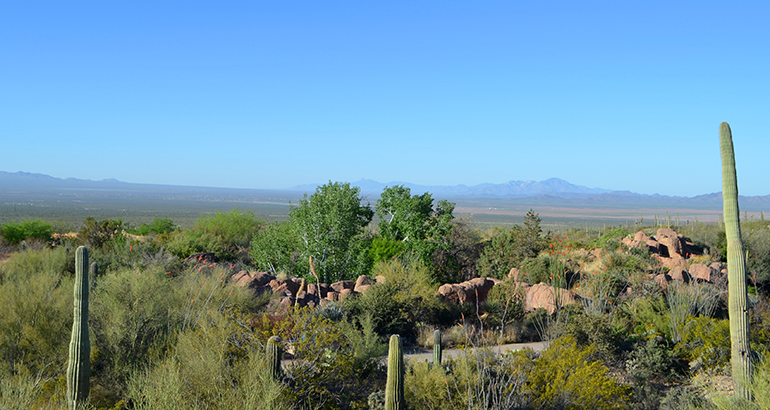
(170, 333)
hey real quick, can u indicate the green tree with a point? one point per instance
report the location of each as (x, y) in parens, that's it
(509, 248)
(276, 249)
(96, 234)
(327, 224)
(415, 221)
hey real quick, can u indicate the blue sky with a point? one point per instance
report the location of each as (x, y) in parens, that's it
(611, 94)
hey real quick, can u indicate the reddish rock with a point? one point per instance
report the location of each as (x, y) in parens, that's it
(545, 296)
(344, 293)
(662, 280)
(467, 292)
(362, 288)
(332, 296)
(702, 272)
(343, 284)
(362, 280)
(312, 289)
(379, 279)
(680, 275)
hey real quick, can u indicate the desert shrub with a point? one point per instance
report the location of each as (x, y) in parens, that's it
(686, 398)
(504, 305)
(328, 359)
(157, 227)
(546, 269)
(705, 342)
(38, 229)
(756, 239)
(598, 332)
(226, 234)
(649, 367)
(598, 291)
(684, 300)
(564, 377)
(138, 312)
(614, 235)
(208, 367)
(185, 243)
(649, 316)
(405, 299)
(35, 313)
(96, 234)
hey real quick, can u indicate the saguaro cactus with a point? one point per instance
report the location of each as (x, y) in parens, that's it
(394, 389)
(736, 268)
(437, 347)
(273, 353)
(79, 368)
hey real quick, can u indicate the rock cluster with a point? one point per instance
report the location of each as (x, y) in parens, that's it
(297, 291)
(674, 252)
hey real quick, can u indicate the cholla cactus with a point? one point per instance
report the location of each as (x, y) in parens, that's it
(79, 367)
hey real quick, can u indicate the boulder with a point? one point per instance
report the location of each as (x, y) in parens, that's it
(362, 280)
(680, 275)
(662, 280)
(545, 296)
(702, 272)
(343, 284)
(469, 291)
(344, 293)
(379, 279)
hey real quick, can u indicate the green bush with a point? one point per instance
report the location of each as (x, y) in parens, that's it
(96, 234)
(157, 227)
(35, 313)
(226, 234)
(38, 229)
(565, 377)
(276, 249)
(705, 342)
(404, 300)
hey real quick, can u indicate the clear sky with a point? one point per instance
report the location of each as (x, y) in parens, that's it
(611, 94)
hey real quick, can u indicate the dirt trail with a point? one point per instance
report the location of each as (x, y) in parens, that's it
(424, 354)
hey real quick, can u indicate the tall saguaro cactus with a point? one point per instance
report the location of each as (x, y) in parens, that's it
(79, 368)
(394, 389)
(736, 268)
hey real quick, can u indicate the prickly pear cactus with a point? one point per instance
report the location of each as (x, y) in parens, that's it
(79, 367)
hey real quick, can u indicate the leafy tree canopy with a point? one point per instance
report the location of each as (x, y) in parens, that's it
(327, 223)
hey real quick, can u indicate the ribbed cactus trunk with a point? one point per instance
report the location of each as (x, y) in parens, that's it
(79, 368)
(736, 268)
(394, 389)
(274, 355)
(437, 347)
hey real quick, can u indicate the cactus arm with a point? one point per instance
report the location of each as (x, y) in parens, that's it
(394, 389)
(79, 366)
(736, 268)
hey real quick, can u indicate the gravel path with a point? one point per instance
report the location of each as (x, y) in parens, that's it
(425, 354)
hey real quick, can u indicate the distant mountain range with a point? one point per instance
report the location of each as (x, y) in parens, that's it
(511, 189)
(551, 192)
